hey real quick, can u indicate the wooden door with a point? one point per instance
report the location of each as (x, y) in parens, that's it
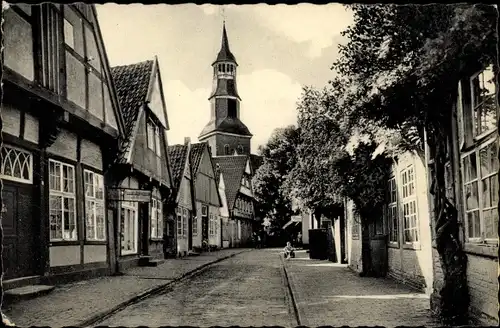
(19, 253)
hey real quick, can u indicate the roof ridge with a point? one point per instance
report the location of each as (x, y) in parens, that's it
(134, 64)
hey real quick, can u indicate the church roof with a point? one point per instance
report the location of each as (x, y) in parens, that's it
(225, 87)
(225, 53)
(228, 125)
(232, 168)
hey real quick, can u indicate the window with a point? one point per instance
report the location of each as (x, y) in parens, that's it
(480, 176)
(16, 165)
(128, 227)
(240, 149)
(95, 224)
(211, 225)
(409, 205)
(69, 36)
(232, 107)
(151, 135)
(157, 141)
(195, 225)
(62, 201)
(185, 218)
(156, 218)
(479, 165)
(483, 105)
(226, 149)
(204, 213)
(392, 212)
(179, 221)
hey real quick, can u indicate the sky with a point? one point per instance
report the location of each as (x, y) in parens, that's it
(279, 49)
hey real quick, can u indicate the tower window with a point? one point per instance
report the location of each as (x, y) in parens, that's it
(226, 149)
(240, 149)
(231, 107)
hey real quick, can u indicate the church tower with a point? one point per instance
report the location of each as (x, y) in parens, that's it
(225, 133)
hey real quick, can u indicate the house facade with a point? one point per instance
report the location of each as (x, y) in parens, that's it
(472, 186)
(206, 229)
(144, 230)
(182, 197)
(61, 126)
(237, 173)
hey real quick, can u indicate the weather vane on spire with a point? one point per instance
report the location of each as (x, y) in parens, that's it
(223, 14)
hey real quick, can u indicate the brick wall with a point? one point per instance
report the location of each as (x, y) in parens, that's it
(482, 277)
(233, 142)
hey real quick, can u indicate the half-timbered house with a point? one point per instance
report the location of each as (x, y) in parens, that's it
(61, 126)
(143, 226)
(206, 224)
(237, 173)
(182, 199)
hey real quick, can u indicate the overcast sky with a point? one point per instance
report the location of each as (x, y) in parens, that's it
(278, 48)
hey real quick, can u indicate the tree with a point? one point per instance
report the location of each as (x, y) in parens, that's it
(403, 64)
(279, 156)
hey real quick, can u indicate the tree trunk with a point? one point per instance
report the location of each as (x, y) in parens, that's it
(454, 296)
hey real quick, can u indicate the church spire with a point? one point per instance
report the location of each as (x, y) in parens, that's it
(225, 53)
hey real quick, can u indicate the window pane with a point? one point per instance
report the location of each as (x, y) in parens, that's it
(68, 34)
(471, 196)
(100, 222)
(490, 218)
(68, 177)
(99, 186)
(89, 222)
(89, 184)
(470, 167)
(485, 193)
(494, 189)
(484, 106)
(473, 224)
(69, 219)
(55, 176)
(55, 204)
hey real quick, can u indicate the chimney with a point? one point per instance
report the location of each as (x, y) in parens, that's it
(187, 141)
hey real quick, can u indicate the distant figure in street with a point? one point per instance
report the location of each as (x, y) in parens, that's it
(289, 251)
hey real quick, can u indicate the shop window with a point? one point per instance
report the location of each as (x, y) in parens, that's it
(128, 228)
(95, 222)
(62, 201)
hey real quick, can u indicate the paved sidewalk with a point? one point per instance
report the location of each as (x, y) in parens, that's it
(76, 303)
(331, 294)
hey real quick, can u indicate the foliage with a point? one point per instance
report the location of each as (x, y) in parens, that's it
(279, 156)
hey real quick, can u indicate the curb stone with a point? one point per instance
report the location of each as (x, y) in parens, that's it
(150, 292)
(296, 309)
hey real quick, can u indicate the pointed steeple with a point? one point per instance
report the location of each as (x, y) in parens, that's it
(225, 53)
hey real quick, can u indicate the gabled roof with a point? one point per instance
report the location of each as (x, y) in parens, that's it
(178, 156)
(232, 167)
(197, 150)
(132, 85)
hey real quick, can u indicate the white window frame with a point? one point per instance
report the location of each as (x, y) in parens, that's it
(392, 211)
(64, 195)
(179, 212)
(185, 215)
(132, 207)
(28, 160)
(479, 178)
(474, 120)
(156, 229)
(409, 202)
(67, 32)
(150, 134)
(92, 202)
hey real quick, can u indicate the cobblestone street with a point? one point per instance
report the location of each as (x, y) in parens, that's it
(248, 290)
(251, 289)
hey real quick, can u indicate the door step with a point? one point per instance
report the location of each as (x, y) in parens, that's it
(21, 282)
(26, 292)
(193, 253)
(154, 263)
(144, 260)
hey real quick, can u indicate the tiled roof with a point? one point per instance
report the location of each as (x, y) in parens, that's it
(177, 156)
(132, 84)
(227, 124)
(197, 150)
(232, 167)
